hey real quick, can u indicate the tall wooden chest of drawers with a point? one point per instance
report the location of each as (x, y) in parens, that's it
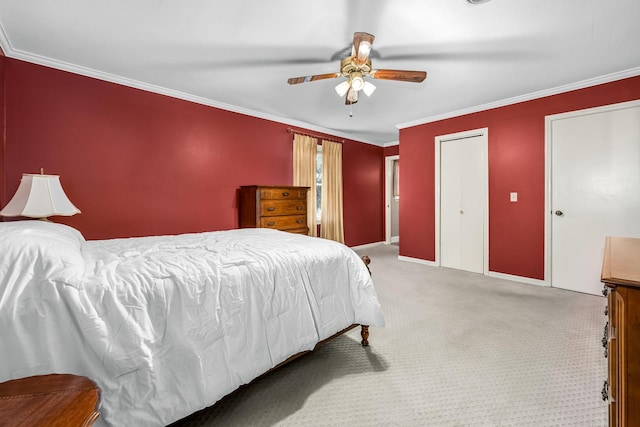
(621, 276)
(281, 208)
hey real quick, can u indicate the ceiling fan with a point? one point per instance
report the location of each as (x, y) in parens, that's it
(356, 67)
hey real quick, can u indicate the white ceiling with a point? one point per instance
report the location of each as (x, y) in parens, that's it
(238, 54)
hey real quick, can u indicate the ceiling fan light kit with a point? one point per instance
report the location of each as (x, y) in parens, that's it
(356, 67)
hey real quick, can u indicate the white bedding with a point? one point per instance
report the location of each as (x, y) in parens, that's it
(168, 325)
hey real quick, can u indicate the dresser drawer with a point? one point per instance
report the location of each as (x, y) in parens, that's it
(284, 222)
(274, 207)
(283, 193)
(304, 231)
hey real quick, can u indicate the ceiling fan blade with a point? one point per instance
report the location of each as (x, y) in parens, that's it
(297, 80)
(352, 97)
(362, 43)
(401, 75)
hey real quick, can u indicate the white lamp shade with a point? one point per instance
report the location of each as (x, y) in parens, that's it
(39, 196)
(364, 49)
(357, 82)
(342, 88)
(368, 88)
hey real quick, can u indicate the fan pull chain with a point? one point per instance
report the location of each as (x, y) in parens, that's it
(350, 110)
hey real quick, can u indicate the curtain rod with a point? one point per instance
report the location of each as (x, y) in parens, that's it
(292, 131)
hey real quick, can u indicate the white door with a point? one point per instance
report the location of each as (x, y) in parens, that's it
(462, 203)
(595, 190)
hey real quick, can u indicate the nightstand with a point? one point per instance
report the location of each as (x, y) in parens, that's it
(51, 400)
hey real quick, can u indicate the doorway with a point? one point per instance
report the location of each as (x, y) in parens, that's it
(593, 176)
(392, 199)
(461, 200)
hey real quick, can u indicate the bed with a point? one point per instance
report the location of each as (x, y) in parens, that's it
(168, 325)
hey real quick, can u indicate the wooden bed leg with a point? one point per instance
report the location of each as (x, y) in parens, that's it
(365, 335)
(364, 332)
(366, 261)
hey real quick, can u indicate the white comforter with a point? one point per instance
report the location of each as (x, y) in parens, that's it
(168, 325)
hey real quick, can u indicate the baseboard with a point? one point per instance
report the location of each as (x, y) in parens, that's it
(521, 279)
(417, 260)
(395, 239)
(495, 274)
(366, 246)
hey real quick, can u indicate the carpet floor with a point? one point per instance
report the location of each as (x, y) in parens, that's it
(459, 349)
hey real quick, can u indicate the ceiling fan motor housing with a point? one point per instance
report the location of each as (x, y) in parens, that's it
(348, 66)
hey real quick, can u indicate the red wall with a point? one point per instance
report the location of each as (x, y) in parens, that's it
(392, 150)
(139, 163)
(516, 163)
(364, 199)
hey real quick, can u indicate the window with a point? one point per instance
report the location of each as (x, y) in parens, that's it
(319, 183)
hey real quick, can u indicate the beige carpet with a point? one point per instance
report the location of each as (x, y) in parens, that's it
(459, 349)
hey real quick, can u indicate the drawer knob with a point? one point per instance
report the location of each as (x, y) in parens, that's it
(285, 193)
(299, 208)
(299, 221)
(271, 209)
(271, 223)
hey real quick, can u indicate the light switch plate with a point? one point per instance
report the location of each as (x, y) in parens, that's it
(513, 197)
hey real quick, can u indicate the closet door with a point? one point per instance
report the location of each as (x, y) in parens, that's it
(462, 203)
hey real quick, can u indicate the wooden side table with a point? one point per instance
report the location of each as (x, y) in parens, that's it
(51, 400)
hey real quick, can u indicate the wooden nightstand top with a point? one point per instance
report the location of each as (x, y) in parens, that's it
(52, 400)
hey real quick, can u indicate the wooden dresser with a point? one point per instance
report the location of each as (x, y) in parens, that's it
(49, 400)
(621, 277)
(281, 208)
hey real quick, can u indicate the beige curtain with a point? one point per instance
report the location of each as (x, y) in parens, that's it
(305, 149)
(332, 226)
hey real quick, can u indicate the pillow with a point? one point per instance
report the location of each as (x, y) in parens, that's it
(41, 250)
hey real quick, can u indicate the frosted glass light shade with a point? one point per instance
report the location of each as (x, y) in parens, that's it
(357, 82)
(39, 196)
(342, 88)
(368, 88)
(364, 49)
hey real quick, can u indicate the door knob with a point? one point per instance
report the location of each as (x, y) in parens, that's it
(559, 213)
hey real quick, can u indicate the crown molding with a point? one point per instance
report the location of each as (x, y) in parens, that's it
(4, 42)
(607, 78)
(112, 78)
